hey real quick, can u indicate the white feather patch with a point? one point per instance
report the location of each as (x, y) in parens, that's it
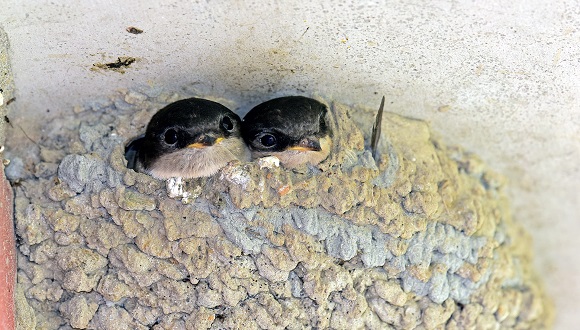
(294, 158)
(191, 163)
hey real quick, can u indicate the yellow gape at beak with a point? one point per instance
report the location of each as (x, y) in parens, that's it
(300, 148)
(206, 142)
(306, 144)
(196, 145)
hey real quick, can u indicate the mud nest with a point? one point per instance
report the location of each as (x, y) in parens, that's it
(422, 240)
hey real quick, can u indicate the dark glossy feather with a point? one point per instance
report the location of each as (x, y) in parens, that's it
(132, 151)
(377, 131)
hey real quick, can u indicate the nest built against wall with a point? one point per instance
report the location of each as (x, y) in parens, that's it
(422, 240)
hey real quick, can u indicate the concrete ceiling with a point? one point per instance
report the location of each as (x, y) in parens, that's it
(500, 78)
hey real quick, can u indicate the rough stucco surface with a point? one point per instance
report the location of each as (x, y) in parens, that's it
(500, 78)
(422, 240)
(6, 82)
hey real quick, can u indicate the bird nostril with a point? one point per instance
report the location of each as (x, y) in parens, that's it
(207, 140)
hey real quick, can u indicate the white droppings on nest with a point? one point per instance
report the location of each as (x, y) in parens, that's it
(236, 175)
(269, 162)
(1, 98)
(5, 162)
(176, 189)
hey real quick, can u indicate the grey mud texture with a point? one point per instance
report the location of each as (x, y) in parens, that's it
(423, 240)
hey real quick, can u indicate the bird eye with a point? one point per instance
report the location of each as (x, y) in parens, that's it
(227, 123)
(268, 140)
(170, 136)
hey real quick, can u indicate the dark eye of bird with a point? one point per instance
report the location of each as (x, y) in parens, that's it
(227, 123)
(170, 136)
(268, 140)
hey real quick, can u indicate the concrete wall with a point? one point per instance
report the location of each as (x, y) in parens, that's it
(500, 78)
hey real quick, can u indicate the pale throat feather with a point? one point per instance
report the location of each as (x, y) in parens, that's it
(191, 163)
(294, 158)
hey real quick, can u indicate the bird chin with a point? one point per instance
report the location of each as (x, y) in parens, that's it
(294, 158)
(189, 163)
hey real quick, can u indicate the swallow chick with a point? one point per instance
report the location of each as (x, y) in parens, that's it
(190, 138)
(291, 128)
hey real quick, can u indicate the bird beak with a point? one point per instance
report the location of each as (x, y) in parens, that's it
(205, 141)
(307, 144)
